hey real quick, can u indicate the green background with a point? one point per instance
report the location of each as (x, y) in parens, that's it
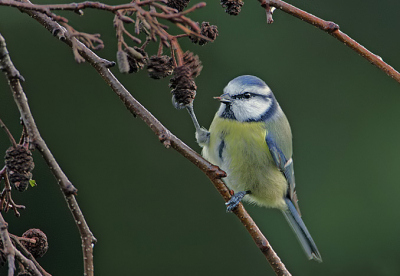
(152, 211)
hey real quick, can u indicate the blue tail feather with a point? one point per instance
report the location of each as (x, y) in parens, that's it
(298, 226)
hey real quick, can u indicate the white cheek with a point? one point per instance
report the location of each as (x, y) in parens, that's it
(251, 109)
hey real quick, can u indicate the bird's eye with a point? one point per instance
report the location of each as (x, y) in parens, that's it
(247, 95)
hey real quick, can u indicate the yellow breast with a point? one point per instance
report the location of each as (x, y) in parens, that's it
(240, 149)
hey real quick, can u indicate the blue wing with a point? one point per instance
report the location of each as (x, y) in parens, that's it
(292, 214)
(285, 165)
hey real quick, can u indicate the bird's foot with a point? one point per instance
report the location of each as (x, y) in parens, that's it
(235, 200)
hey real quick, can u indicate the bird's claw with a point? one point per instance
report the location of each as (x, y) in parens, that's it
(235, 200)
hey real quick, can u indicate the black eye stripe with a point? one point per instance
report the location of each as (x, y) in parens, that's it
(248, 95)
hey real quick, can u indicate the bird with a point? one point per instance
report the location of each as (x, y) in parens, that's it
(251, 140)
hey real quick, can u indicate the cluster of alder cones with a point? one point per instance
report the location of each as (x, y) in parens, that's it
(133, 59)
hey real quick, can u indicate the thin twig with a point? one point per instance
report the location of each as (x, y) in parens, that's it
(74, 6)
(88, 239)
(6, 198)
(28, 264)
(333, 29)
(24, 239)
(46, 9)
(164, 135)
(12, 140)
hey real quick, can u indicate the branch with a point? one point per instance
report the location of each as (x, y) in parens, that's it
(66, 186)
(77, 7)
(332, 29)
(28, 264)
(8, 247)
(167, 138)
(73, 6)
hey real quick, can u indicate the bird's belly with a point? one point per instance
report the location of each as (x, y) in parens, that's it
(249, 166)
(254, 171)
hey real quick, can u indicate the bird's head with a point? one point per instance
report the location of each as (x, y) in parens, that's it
(247, 99)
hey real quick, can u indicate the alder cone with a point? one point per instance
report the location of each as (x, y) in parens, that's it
(39, 248)
(19, 164)
(160, 67)
(232, 7)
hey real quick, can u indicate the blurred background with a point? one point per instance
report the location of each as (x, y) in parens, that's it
(152, 211)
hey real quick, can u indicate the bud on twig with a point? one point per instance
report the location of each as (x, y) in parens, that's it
(131, 60)
(122, 60)
(132, 52)
(137, 58)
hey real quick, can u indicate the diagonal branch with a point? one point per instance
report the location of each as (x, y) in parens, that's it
(333, 29)
(167, 138)
(66, 186)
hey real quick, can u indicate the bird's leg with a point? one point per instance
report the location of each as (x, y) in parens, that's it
(235, 200)
(193, 116)
(202, 135)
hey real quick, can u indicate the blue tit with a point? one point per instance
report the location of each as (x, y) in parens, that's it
(250, 139)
